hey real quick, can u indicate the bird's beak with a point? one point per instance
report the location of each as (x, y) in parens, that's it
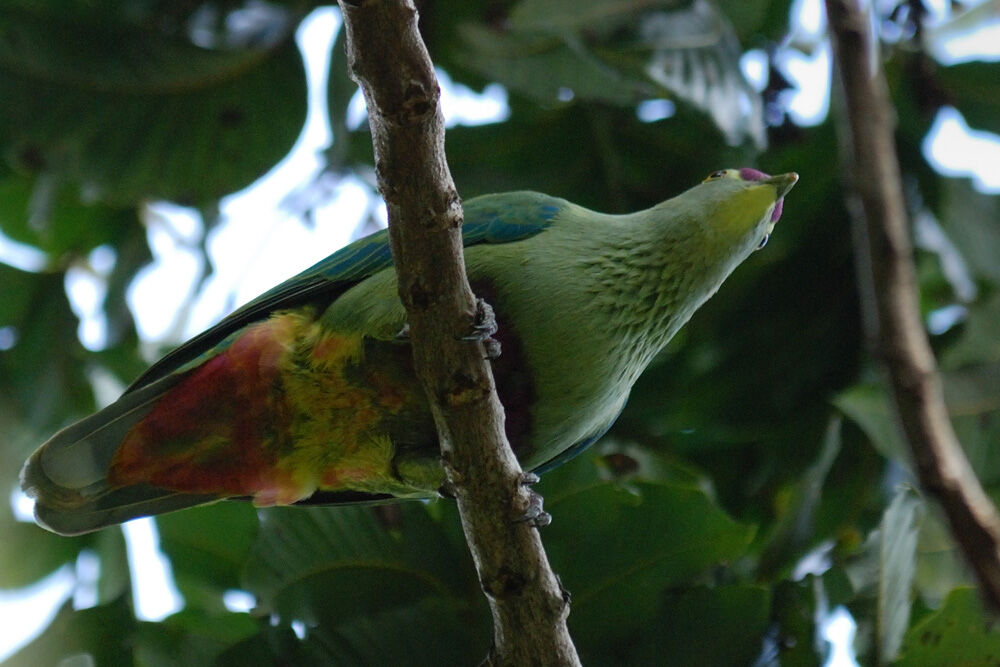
(782, 182)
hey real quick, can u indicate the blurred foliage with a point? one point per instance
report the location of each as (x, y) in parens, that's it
(756, 479)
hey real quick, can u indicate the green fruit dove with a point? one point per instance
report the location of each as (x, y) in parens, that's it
(307, 394)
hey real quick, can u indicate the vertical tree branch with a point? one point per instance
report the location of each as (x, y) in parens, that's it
(388, 59)
(900, 339)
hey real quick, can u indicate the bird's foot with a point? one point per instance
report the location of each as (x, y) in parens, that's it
(484, 325)
(533, 515)
(404, 333)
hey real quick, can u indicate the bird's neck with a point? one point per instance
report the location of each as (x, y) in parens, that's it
(648, 282)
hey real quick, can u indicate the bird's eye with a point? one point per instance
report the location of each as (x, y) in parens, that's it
(716, 174)
(763, 241)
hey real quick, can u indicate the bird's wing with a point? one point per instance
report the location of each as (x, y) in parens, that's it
(497, 218)
(68, 474)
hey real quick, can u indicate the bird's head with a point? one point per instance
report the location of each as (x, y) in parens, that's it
(744, 204)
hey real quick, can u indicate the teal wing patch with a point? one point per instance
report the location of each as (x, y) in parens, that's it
(508, 217)
(498, 218)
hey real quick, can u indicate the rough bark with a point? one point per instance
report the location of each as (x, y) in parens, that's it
(886, 256)
(387, 57)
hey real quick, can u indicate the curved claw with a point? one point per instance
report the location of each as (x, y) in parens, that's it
(484, 325)
(534, 515)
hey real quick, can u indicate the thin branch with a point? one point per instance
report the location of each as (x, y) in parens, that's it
(389, 60)
(900, 339)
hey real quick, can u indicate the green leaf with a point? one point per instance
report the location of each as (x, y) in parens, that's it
(972, 397)
(28, 553)
(975, 89)
(142, 112)
(340, 89)
(191, 637)
(959, 634)
(122, 55)
(43, 375)
(622, 53)
(115, 579)
(750, 18)
(795, 611)
(18, 295)
(121, 357)
(47, 214)
(103, 634)
(260, 650)
(208, 546)
(545, 68)
(329, 565)
(869, 407)
(794, 528)
(430, 632)
(978, 341)
(372, 585)
(897, 566)
(582, 14)
(941, 565)
(707, 626)
(969, 218)
(588, 156)
(664, 535)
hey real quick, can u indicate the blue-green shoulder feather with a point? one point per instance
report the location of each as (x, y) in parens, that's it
(496, 218)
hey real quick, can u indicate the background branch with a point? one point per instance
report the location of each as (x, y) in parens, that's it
(388, 59)
(886, 259)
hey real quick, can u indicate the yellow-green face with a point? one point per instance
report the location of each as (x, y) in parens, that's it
(747, 199)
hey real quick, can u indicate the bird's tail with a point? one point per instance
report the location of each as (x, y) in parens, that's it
(68, 475)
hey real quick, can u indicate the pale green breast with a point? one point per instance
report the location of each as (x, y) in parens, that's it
(556, 290)
(591, 300)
